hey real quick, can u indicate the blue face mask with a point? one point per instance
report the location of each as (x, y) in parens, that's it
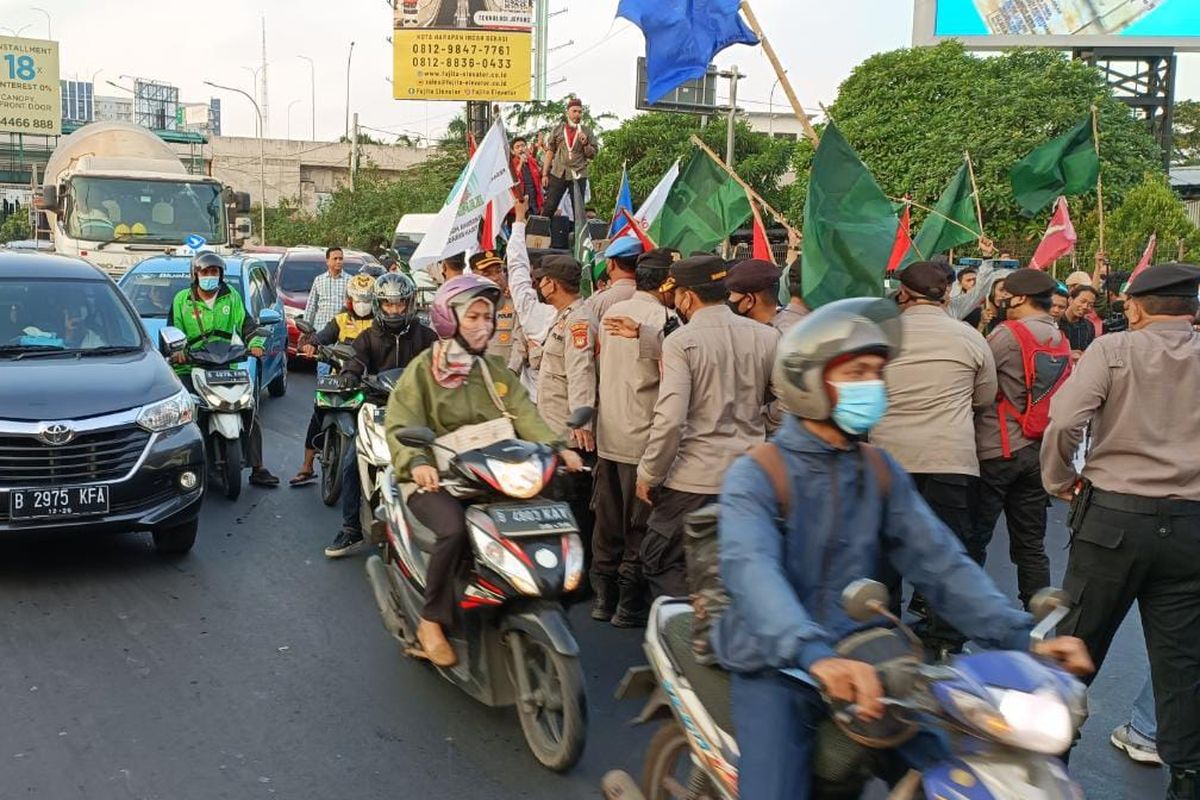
(210, 284)
(860, 405)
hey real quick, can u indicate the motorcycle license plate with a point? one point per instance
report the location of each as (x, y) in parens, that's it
(227, 377)
(74, 501)
(328, 383)
(533, 519)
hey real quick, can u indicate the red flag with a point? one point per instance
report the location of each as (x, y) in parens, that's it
(761, 248)
(1059, 239)
(631, 226)
(471, 145)
(903, 240)
(1147, 256)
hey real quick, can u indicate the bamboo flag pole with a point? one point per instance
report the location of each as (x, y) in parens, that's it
(779, 72)
(782, 220)
(1099, 172)
(936, 213)
(985, 244)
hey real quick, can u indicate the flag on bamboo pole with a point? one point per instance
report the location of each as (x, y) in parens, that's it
(1147, 257)
(1059, 240)
(760, 246)
(1068, 165)
(683, 36)
(704, 206)
(624, 203)
(650, 209)
(849, 226)
(903, 240)
(953, 222)
(634, 227)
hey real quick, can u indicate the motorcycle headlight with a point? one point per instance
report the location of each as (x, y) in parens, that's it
(981, 715)
(1039, 721)
(522, 480)
(167, 414)
(503, 561)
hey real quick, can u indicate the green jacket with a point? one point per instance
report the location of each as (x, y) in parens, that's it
(202, 324)
(418, 400)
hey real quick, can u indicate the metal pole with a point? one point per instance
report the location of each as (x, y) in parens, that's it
(262, 159)
(730, 127)
(289, 119)
(542, 24)
(312, 75)
(354, 152)
(348, 57)
(49, 35)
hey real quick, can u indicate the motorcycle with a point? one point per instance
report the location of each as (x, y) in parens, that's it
(337, 405)
(226, 401)
(1007, 714)
(371, 447)
(511, 636)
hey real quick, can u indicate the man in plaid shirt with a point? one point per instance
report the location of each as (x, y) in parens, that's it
(327, 296)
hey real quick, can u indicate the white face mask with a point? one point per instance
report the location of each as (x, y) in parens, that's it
(362, 309)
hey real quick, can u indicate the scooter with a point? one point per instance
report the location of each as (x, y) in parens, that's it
(371, 447)
(226, 401)
(1007, 714)
(337, 405)
(512, 638)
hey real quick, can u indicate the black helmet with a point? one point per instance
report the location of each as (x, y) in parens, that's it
(395, 287)
(203, 261)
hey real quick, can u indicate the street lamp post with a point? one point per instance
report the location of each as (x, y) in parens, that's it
(262, 157)
(17, 32)
(312, 75)
(49, 35)
(255, 71)
(348, 57)
(289, 119)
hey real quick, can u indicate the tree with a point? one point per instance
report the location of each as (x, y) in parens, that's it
(911, 114)
(1186, 133)
(1150, 207)
(649, 143)
(539, 115)
(15, 227)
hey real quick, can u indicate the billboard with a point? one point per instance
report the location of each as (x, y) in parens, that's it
(30, 96)
(462, 49)
(697, 96)
(1067, 24)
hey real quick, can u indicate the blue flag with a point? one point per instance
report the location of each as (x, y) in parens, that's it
(683, 36)
(624, 201)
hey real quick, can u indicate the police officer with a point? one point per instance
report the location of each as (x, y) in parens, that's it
(754, 290)
(622, 256)
(1135, 516)
(711, 408)
(567, 376)
(487, 264)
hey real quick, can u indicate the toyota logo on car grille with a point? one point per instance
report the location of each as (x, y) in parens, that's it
(55, 434)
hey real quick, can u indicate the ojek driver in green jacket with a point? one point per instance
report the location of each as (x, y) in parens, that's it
(209, 310)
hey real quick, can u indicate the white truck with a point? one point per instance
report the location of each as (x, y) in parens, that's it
(115, 193)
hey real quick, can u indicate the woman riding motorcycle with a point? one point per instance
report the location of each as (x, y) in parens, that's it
(451, 385)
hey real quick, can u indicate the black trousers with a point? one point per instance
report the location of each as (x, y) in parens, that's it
(663, 560)
(310, 435)
(949, 497)
(576, 489)
(1129, 548)
(1014, 486)
(445, 516)
(620, 524)
(559, 187)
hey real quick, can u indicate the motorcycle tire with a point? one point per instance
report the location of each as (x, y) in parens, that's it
(229, 460)
(662, 778)
(331, 467)
(554, 717)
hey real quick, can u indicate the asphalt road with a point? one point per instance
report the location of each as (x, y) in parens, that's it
(256, 668)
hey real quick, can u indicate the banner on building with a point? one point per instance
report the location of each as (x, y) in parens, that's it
(30, 96)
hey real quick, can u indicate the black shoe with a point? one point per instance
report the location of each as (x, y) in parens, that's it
(263, 477)
(624, 618)
(1185, 785)
(346, 542)
(604, 604)
(632, 608)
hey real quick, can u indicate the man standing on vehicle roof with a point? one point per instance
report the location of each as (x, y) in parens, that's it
(209, 310)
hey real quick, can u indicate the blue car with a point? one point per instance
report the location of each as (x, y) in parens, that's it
(152, 284)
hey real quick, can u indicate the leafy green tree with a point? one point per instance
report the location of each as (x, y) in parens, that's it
(911, 114)
(1150, 207)
(1187, 133)
(15, 228)
(536, 115)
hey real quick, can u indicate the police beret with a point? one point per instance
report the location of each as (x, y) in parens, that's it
(658, 258)
(624, 247)
(485, 260)
(559, 267)
(754, 275)
(698, 271)
(927, 279)
(1028, 281)
(1166, 280)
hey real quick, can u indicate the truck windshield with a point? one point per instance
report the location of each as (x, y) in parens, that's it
(123, 209)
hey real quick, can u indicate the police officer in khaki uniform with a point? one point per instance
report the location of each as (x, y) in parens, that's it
(711, 408)
(627, 392)
(621, 264)
(1135, 514)
(754, 290)
(567, 374)
(488, 264)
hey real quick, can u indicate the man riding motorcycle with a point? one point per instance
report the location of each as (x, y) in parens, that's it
(209, 310)
(393, 340)
(451, 385)
(345, 326)
(849, 507)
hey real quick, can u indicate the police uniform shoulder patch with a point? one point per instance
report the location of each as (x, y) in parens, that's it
(579, 335)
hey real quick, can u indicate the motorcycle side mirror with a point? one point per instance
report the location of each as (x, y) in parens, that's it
(1047, 601)
(171, 340)
(580, 417)
(864, 599)
(304, 326)
(416, 437)
(269, 316)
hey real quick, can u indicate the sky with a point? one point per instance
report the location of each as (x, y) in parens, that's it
(593, 55)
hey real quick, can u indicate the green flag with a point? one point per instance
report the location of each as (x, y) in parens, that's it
(849, 226)
(1064, 166)
(952, 223)
(704, 206)
(585, 254)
